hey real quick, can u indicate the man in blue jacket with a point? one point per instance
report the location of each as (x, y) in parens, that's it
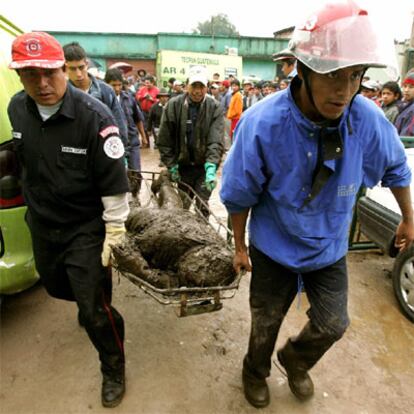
(297, 162)
(77, 72)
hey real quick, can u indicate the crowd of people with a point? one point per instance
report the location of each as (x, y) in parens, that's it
(300, 150)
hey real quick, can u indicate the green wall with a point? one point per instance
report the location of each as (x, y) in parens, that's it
(256, 51)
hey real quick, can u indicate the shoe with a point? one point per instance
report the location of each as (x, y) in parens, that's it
(256, 391)
(113, 390)
(300, 382)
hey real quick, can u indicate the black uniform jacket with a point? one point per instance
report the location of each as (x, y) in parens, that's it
(69, 161)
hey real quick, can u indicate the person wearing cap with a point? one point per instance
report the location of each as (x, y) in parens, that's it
(370, 90)
(405, 120)
(298, 160)
(134, 119)
(178, 88)
(288, 62)
(190, 139)
(156, 112)
(75, 187)
(215, 91)
(76, 63)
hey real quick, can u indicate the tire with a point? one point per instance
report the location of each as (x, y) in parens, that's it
(403, 282)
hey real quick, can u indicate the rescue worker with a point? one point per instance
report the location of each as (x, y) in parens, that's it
(77, 72)
(190, 139)
(75, 187)
(296, 165)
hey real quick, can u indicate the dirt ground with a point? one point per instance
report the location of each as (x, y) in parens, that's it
(192, 365)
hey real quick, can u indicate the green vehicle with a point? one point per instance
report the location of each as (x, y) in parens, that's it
(17, 270)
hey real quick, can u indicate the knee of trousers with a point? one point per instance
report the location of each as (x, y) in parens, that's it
(335, 330)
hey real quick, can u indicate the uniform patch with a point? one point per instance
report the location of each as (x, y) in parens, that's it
(17, 135)
(73, 150)
(114, 148)
(112, 129)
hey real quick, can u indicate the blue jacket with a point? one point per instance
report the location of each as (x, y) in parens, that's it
(133, 115)
(270, 166)
(104, 93)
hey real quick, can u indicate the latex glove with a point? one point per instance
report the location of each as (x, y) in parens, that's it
(174, 173)
(113, 235)
(211, 179)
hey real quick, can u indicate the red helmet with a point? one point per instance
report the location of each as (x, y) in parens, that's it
(36, 49)
(341, 34)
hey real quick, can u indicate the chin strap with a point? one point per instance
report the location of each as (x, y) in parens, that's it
(306, 71)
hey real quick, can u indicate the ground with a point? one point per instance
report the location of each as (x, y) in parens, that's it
(192, 365)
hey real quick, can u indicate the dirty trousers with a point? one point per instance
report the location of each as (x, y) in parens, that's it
(68, 259)
(272, 290)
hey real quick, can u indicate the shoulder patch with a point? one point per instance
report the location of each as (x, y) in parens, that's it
(114, 148)
(17, 135)
(112, 129)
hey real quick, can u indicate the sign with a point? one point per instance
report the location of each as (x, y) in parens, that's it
(176, 64)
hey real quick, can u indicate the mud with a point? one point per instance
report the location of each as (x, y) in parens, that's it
(167, 244)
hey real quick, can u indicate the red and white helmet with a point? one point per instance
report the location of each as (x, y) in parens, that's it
(342, 34)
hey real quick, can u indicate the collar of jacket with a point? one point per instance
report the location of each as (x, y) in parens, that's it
(187, 100)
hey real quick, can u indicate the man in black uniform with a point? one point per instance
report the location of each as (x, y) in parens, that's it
(191, 137)
(75, 185)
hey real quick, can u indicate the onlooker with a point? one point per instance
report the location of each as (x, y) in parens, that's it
(154, 119)
(257, 94)
(405, 120)
(391, 95)
(135, 122)
(370, 90)
(297, 162)
(75, 185)
(283, 84)
(215, 91)
(178, 88)
(236, 106)
(289, 68)
(77, 72)
(225, 99)
(146, 97)
(190, 140)
(170, 85)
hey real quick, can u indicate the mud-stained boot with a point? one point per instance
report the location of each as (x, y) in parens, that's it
(256, 391)
(300, 383)
(113, 389)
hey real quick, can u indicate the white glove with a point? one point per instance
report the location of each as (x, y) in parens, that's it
(114, 235)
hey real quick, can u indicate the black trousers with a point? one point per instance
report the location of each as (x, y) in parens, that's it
(68, 260)
(272, 291)
(194, 176)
